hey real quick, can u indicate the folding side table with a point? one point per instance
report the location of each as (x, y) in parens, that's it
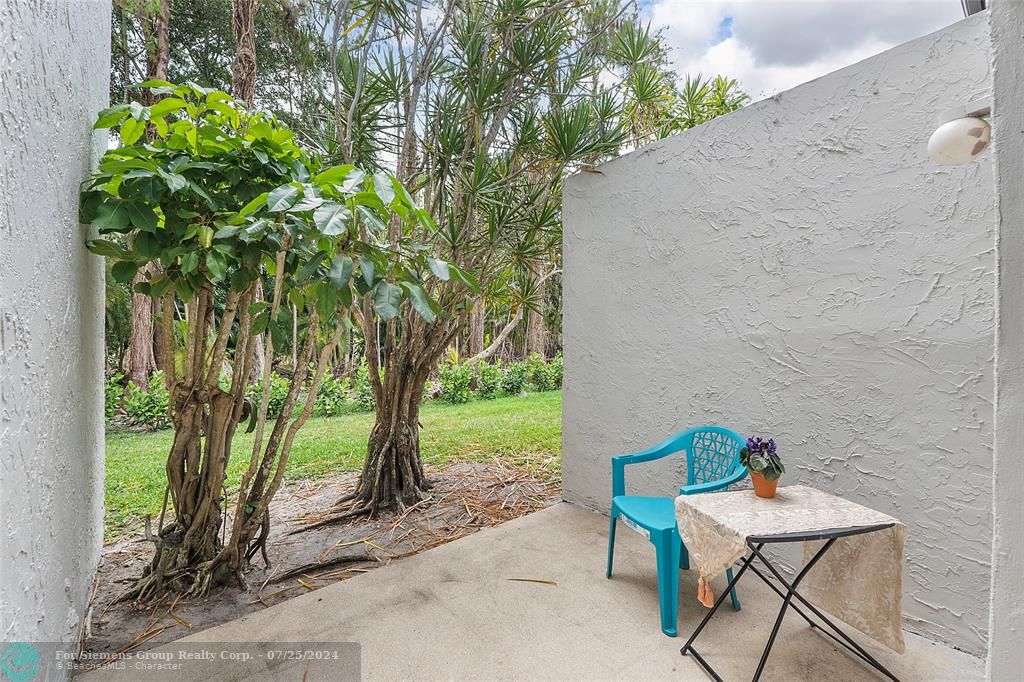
(857, 551)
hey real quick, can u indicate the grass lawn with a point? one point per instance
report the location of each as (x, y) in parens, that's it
(526, 429)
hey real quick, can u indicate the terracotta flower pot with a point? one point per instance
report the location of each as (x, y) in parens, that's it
(762, 486)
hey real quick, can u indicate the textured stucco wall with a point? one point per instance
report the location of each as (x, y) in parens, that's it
(1006, 653)
(800, 269)
(53, 79)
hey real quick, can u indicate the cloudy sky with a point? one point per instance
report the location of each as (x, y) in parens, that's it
(772, 45)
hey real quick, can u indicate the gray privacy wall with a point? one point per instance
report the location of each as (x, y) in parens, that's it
(53, 79)
(800, 269)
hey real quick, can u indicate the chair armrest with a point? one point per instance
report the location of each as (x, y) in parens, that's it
(712, 486)
(619, 462)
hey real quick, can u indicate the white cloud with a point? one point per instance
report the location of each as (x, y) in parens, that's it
(773, 45)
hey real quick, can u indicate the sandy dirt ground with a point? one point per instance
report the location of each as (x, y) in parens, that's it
(465, 498)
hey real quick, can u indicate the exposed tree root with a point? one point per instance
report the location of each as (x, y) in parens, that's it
(318, 566)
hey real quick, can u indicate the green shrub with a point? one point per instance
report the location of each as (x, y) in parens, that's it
(362, 390)
(556, 368)
(333, 398)
(113, 391)
(544, 376)
(536, 371)
(488, 380)
(278, 394)
(147, 408)
(517, 375)
(455, 381)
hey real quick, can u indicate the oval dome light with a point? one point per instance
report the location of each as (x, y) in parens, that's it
(959, 141)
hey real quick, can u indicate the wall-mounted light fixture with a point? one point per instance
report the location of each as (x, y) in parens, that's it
(962, 136)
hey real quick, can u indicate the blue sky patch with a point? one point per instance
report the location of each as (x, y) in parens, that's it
(724, 31)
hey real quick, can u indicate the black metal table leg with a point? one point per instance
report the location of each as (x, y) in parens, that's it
(688, 647)
(846, 640)
(756, 544)
(785, 603)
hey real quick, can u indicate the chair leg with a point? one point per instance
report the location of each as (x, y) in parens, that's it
(668, 547)
(735, 599)
(684, 557)
(611, 544)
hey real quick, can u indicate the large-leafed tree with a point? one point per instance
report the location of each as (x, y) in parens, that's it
(480, 108)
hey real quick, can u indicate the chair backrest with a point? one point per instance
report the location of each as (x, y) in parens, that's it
(712, 453)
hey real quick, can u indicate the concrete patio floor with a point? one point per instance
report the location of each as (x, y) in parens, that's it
(453, 613)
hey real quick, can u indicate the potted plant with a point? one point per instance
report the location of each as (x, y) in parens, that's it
(762, 460)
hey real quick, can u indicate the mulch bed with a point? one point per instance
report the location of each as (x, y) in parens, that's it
(466, 497)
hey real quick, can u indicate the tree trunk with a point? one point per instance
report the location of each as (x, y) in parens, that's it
(141, 355)
(140, 361)
(192, 540)
(536, 333)
(477, 322)
(243, 70)
(393, 472)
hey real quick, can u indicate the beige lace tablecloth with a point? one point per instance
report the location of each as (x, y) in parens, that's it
(859, 580)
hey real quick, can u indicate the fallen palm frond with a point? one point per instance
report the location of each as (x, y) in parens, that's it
(542, 581)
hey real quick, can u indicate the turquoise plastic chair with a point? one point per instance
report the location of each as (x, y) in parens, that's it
(713, 463)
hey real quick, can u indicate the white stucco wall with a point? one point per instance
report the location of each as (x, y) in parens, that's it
(800, 269)
(53, 79)
(1006, 653)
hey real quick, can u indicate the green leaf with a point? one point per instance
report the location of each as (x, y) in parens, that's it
(146, 245)
(326, 300)
(138, 111)
(175, 182)
(254, 205)
(346, 296)
(103, 247)
(142, 216)
(340, 272)
(383, 187)
(331, 219)
(215, 264)
(110, 117)
(460, 275)
(306, 203)
(282, 198)
(190, 262)
(371, 219)
(166, 106)
(425, 220)
(123, 271)
(131, 131)
(403, 194)
(204, 235)
(154, 83)
(367, 268)
(421, 303)
(353, 180)
(259, 323)
(309, 269)
(183, 289)
(386, 299)
(160, 286)
(280, 335)
(335, 175)
(439, 268)
(297, 298)
(111, 214)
